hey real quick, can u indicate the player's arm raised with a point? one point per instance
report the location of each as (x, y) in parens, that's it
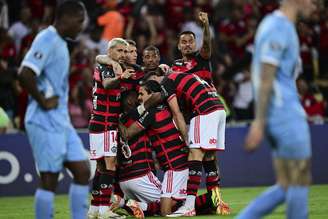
(206, 50)
(256, 133)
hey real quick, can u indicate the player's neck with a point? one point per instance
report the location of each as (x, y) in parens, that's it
(289, 10)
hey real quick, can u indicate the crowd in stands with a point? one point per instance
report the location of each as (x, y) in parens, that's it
(158, 22)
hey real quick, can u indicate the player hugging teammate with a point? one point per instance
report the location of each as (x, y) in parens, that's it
(139, 120)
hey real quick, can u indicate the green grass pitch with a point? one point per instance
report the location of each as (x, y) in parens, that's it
(238, 198)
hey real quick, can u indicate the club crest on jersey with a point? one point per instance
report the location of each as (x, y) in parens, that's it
(38, 55)
(114, 149)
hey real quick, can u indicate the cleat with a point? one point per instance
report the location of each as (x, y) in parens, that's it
(116, 200)
(136, 209)
(222, 208)
(183, 211)
(93, 212)
(106, 213)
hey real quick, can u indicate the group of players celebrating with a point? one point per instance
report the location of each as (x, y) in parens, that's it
(139, 124)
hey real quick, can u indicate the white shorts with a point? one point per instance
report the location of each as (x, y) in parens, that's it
(103, 144)
(174, 184)
(146, 188)
(208, 131)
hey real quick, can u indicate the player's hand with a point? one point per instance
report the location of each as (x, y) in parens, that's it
(203, 18)
(254, 136)
(165, 68)
(128, 73)
(49, 103)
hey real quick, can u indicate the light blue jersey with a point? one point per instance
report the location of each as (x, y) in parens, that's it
(49, 58)
(277, 43)
(51, 135)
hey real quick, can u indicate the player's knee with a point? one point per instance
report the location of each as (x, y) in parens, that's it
(82, 176)
(299, 172)
(196, 154)
(110, 163)
(210, 155)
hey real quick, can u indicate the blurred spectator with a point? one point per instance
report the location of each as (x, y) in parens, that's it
(112, 21)
(21, 27)
(243, 100)
(313, 102)
(174, 13)
(94, 42)
(28, 39)
(193, 24)
(4, 19)
(323, 48)
(125, 8)
(307, 50)
(80, 104)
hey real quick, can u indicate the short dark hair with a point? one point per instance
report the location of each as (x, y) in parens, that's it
(158, 72)
(185, 33)
(152, 48)
(152, 86)
(131, 42)
(69, 7)
(125, 96)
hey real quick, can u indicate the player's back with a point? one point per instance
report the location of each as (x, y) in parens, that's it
(277, 43)
(193, 93)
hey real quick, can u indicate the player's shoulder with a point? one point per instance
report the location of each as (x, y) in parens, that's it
(274, 21)
(47, 37)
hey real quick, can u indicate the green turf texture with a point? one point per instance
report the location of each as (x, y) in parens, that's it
(238, 198)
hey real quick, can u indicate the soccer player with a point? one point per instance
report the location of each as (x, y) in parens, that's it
(206, 130)
(103, 127)
(279, 114)
(193, 61)
(136, 164)
(171, 151)
(199, 63)
(55, 143)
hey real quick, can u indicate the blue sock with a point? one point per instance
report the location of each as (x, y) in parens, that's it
(78, 195)
(44, 201)
(297, 202)
(264, 203)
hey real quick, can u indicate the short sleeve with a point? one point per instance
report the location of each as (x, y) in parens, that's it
(273, 47)
(147, 119)
(167, 89)
(37, 56)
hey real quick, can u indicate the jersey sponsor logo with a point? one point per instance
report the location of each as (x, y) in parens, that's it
(212, 141)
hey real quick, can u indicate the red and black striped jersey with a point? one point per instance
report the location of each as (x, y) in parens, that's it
(106, 102)
(132, 83)
(196, 65)
(171, 150)
(194, 94)
(140, 162)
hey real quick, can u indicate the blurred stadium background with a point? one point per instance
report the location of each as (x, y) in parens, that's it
(233, 24)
